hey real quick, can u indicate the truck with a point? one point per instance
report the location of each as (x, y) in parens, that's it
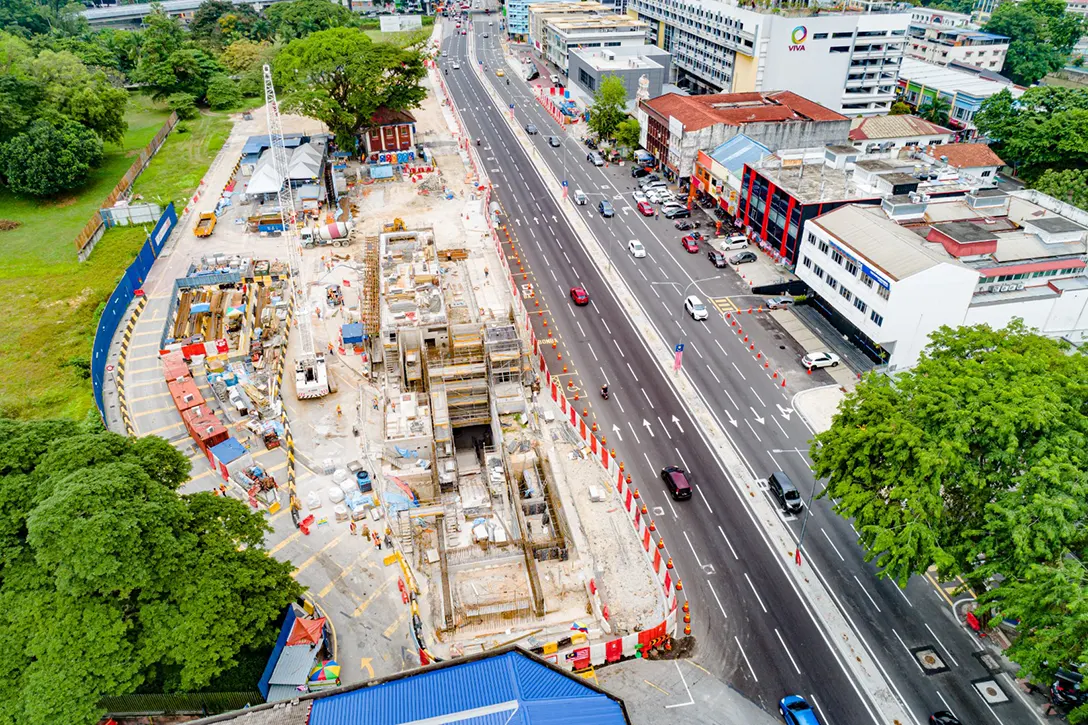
(338, 234)
(266, 223)
(205, 224)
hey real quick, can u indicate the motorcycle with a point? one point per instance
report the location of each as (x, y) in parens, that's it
(604, 392)
(685, 225)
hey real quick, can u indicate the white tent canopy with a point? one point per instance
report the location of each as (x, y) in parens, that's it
(264, 180)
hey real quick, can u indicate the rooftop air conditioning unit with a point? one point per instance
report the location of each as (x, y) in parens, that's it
(1020, 286)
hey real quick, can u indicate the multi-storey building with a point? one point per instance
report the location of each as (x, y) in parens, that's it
(965, 90)
(560, 35)
(847, 61)
(517, 16)
(942, 45)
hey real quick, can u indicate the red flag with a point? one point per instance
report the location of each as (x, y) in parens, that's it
(347, 283)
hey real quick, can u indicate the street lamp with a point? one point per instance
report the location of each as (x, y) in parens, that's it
(804, 522)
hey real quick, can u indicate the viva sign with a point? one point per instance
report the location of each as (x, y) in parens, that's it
(798, 37)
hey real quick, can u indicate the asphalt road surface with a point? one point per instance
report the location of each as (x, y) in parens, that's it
(753, 627)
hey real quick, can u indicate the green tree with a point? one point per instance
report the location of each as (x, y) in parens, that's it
(245, 58)
(23, 17)
(973, 461)
(607, 110)
(183, 104)
(293, 20)
(85, 97)
(50, 157)
(217, 23)
(341, 77)
(1070, 185)
(1047, 127)
(936, 110)
(135, 577)
(1042, 35)
(899, 108)
(627, 133)
(223, 92)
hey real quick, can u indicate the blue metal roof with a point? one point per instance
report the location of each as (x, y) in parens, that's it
(228, 451)
(256, 144)
(511, 688)
(738, 151)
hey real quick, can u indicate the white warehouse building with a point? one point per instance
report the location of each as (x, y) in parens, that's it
(894, 274)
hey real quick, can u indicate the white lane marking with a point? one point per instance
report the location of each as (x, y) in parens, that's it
(647, 397)
(728, 543)
(704, 499)
(681, 457)
(632, 372)
(787, 650)
(946, 651)
(664, 427)
(738, 371)
(745, 658)
(757, 396)
(691, 700)
(618, 347)
(619, 403)
(873, 601)
(580, 330)
(780, 427)
(730, 398)
(692, 344)
(753, 431)
(594, 354)
(714, 374)
(719, 601)
(635, 432)
(904, 595)
(758, 599)
(698, 561)
(833, 544)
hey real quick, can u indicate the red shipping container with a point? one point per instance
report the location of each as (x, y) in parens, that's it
(185, 394)
(204, 427)
(174, 366)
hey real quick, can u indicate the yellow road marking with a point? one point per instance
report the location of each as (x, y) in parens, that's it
(320, 551)
(163, 429)
(939, 588)
(343, 573)
(370, 600)
(164, 394)
(285, 542)
(364, 664)
(151, 412)
(396, 624)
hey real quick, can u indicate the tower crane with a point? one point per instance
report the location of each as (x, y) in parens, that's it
(311, 375)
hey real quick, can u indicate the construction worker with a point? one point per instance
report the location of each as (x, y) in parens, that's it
(353, 527)
(339, 412)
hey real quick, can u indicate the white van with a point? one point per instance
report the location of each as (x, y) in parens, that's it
(728, 244)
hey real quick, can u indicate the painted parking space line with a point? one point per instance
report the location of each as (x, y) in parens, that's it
(295, 535)
(304, 565)
(142, 413)
(370, 600)
(165, 428)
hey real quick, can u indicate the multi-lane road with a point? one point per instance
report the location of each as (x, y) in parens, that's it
(755, 627)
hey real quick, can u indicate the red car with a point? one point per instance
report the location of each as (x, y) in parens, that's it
(645, 208)
(579, 296)
(690, 244)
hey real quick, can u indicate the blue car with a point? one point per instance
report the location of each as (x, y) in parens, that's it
(606, 210)
(795, 711)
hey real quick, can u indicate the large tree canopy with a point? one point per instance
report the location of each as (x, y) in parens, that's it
(341, 77)
(607, 110)
(217, 23)
(172, 63)
(1046, 128)
(50, 157)
(107, 574)
(1042, 34)
(298, 19)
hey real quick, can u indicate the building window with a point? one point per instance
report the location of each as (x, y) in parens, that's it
(816, 270)
(832, 283)
(843, 35)
(987, 173)
(878, 319)
(811, 238)
(851, 268)
(859, 304)
(807, 262)
(819, 36)
(586, 80)
(846, 294)
(835, 255)
(823, 247)
(884, 292)
(867, 281)
(839, 49)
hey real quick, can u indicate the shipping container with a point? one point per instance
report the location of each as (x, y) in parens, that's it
(205, 428)
(174, 366)
(185, 394)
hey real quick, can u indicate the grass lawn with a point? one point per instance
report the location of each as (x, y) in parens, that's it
(51, 301)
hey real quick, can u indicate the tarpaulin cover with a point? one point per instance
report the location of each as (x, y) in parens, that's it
(352, 333)
(228, 451)
(307, 631)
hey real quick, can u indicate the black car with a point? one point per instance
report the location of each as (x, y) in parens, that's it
(676, 212)
(944, 717)
(591, 144)
(639, 171)
(554, 142)
(743, 258)
(717, 258)
(686, 225)
(676, 480)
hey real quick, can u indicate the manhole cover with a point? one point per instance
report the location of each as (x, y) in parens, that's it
(988, 661)
(928, 659)
(991, 692)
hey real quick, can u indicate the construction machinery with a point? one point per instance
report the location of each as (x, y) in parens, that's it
(311, 374)
(397, 225)
(205, 225)
(338, 234)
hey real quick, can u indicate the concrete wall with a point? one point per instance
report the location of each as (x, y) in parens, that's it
(630, 77)
(920, 304)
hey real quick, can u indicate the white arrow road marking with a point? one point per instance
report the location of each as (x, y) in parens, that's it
(759, 418)
(646, 424)
(677, 421)
(784, 411)
(518, 222)
(616, 430)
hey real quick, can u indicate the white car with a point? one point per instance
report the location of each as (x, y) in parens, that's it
(636, 249)
(820, 360)
(639, 196)
(729, 244)
(661, 196)
(659, 184)
(695, 307)
(456, 65)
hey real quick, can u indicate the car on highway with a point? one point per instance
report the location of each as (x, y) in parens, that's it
(943, 717)
(580, 197)
(456, 65)
(676, 481)
(636, 249)
(579, 296)
(814, 360)
(595, 158)
(695, 307)
(464, 32)
(500, 72)
(717, 258)
(795, 711)
(729, 244)
(743, 258)
(690, 245)
(785, 492)
(639, 171)
(780, 303)
(554, 142)
(605, 208)
(676, 212)
(445, 54)
(645, 208)
(530, 129)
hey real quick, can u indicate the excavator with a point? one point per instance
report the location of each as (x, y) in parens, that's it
(397, 225)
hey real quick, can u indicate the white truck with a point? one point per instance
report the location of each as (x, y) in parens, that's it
(337, 234)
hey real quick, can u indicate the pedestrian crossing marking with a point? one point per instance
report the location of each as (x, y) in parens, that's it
(723, 304)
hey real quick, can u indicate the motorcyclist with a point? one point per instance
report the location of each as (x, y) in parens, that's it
(604, 391)
(477, 142)
(507, 81)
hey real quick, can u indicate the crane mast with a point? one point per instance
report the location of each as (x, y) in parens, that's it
(311, 375)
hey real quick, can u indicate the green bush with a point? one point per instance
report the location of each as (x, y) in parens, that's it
(183, 104)
(223, 92)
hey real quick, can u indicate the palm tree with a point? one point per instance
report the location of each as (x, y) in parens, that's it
(937, 110)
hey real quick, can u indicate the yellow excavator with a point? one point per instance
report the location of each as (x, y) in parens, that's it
(397, 225)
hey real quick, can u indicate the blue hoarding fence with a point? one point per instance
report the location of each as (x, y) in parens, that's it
(131, 281)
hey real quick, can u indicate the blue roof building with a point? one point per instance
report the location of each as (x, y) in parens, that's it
(506, 686)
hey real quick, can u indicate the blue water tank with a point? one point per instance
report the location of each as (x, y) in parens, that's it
(363, 479)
